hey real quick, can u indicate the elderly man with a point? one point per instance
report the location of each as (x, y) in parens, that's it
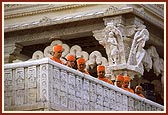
(81, 65)
(57, 50)
(70, 61)
(126, 84)
(101, 74)
(119, 81)
(138, 91)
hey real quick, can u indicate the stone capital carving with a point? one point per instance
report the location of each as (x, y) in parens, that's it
(137, 52)
(10, 52)
(111, 38)
(124, 45)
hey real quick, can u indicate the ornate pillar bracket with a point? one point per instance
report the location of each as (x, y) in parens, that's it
(123, 40)
(11, 51)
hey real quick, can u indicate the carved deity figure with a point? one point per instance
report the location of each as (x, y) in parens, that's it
(141, 39)
(137, 50)
(112, 35)
(158, 63)
(111, 40)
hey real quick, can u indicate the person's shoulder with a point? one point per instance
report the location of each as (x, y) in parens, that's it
(142, 95)
(131, 90)
(87, 72)
(52, 58)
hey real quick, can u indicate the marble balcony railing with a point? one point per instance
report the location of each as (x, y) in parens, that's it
(43, 85)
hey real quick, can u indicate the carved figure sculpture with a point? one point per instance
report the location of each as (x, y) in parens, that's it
(112, 35)
(137, 52)
(141, 38)
(113, 47)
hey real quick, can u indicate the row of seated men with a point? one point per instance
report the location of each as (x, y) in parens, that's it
(121, 81)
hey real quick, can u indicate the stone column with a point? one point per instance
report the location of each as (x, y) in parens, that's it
(123, 39)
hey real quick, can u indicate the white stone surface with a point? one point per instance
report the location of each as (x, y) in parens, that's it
(63, 88)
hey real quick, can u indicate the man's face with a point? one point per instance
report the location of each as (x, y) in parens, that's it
(81, 67)
(119, 83)
(58, 54)
(70, 63)
(138, 90)
(125, 84)
(101, 73)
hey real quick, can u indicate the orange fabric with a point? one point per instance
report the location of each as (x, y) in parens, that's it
(81, 61)
(57, 60)
(106, 80)
(141, 95)
(100, 68)
(85, 71)
(127, 78)
(129, 89)
(120, 78)
(70, 57)
(57, 48)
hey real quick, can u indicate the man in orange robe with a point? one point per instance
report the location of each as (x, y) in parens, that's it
(101, 74)
(81, 65)
(57, 50)
(126, 84)
(70, 61)
(138, 91)
(119, 81)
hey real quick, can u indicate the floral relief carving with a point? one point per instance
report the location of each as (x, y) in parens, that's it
(20, 78)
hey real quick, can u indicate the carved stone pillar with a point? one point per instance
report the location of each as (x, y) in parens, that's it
(12, 52)
(123, 39)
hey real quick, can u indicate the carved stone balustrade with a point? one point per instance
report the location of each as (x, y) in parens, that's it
(44, 85)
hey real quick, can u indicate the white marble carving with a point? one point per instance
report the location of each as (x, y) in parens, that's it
(45, 19)
(78, 87)
(32, 78)
(114, 42)
(76, 50)
(86, 105)
(71, 102)
(56, 78)
(78, 104)
(8, 98)
(93, 90)
(48, 51)
(8, 80)
(147, 61)
(106, 96)
(158, 63)
(8, 87)
(88, 93)
(37, 55)
(56, 96)
(137, 52)
(64, 81)
(20, 97)
(71, 84)
(32, 95)
(44, 82)
(114, 51)
(20, 78)
(95, 58)
(64, 99)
